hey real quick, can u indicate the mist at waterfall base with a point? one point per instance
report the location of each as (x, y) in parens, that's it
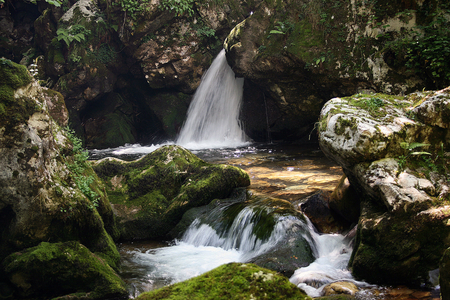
(206, 245)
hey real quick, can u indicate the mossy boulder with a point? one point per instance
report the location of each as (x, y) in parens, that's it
(393, 152)
(151, 194)
(62, 271)
(49, 193)
(231, 281)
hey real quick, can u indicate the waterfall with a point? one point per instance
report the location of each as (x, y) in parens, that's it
(213, 116)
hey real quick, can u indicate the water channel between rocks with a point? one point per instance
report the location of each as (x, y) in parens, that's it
(288, 172)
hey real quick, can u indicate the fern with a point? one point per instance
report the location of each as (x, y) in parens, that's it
(76, 33)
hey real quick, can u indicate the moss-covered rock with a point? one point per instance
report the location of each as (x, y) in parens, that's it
(393, 152)
(49, 193)
(151, 194)
(231, 281)
(57, 269)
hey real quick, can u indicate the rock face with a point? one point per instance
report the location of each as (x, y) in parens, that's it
(150, 195)
(118, 66)
(296, 55)
(393, 151)
(48, 191)
(231, 281)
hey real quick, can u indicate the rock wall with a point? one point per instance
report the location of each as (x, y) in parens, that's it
(300, 54)
(127, 72)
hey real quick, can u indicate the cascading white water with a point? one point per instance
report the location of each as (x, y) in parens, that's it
(204, 248)
(209, 243)
(213, 116)
(332, 252)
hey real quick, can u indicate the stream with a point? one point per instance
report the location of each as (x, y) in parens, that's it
(289, 172)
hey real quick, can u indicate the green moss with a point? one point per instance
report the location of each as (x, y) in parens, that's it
(343, 123)
(231, 281)
(304, 41)
(157, 189)
(55, 269)
(13, 76)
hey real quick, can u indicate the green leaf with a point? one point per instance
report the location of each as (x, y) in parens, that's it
(420, 153)
(417, 145)
(276, 32)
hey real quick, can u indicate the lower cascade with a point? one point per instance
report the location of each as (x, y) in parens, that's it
(213, 116)
(245, 232)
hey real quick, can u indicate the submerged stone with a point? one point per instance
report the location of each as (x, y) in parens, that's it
(231, 281)
(150, 195)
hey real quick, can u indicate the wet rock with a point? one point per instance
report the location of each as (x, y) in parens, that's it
(57, 269)
(345, 201)
(344, 287)
(231, 281)
(317, 209)
(401, 228)
(289, 254)
(151, 194)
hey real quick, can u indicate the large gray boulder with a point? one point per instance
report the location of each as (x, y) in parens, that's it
(393, 151)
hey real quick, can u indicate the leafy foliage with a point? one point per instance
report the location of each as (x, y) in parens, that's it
(75, 32)
(180, 7)
(426, 49)
(415, 157)
(56, 3)
(78, 168)
(283, 28)
(132, 7)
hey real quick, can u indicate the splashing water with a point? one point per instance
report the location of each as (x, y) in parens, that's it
(332, 252)
(205, 246)
(213, 116)
(209, 243)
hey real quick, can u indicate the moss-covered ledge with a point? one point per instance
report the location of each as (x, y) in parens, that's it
(150, 195)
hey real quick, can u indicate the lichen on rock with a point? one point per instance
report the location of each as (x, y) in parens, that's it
(393, 152)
